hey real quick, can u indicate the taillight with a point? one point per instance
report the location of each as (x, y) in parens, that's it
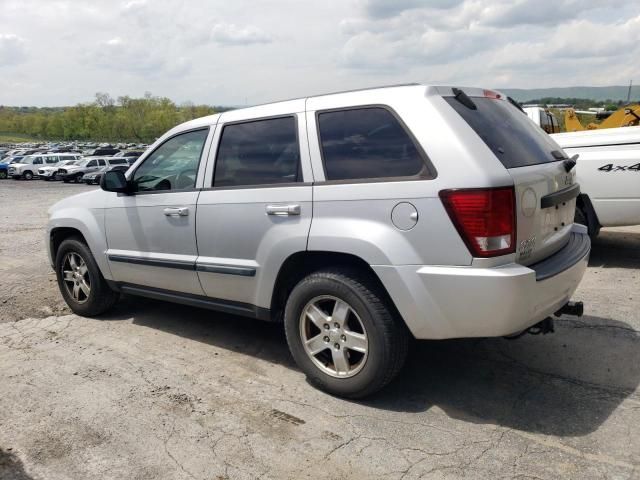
(484, 217)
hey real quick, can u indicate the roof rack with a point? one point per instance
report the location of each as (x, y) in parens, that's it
(413, 84)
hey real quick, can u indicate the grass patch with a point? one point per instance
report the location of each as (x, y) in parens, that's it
(16, 138)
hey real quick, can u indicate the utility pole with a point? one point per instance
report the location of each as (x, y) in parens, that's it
(629, 92)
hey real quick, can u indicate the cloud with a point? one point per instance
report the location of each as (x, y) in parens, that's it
(127, 47)
(140, 58)
(525, 12)
(13, 49)
(231, 34)
(387, 9)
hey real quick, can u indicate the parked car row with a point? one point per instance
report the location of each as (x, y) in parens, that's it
(68, 167)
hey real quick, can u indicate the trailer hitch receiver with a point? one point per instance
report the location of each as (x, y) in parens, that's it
(575, 309)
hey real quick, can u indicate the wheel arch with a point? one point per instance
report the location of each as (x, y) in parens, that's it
(300, 264)
(583, 202)
(59, 235)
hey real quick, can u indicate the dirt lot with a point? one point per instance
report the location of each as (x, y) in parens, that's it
(158, 391)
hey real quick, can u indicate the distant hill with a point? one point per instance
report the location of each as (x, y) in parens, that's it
(615, 93)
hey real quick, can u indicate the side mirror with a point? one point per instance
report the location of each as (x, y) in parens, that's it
(114, 181)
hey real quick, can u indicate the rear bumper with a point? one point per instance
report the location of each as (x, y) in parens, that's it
(453, 302)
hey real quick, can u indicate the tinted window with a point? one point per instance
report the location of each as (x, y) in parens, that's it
(102, 163)
(117, 161)
(173, 165)
(258, 153)
(92, 163)
(367, 143)
(511, 136)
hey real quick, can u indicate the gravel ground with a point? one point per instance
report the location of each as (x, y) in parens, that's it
(160, 391)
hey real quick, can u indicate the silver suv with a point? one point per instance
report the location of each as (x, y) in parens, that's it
(359, 219)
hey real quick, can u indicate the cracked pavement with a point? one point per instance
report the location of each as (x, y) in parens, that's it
(160, 391)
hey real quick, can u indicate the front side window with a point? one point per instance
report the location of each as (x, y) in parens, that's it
(92, 163)
(367, 143)
(259, 152)
(173, 165)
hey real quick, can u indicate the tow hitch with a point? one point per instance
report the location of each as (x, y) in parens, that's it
(575, 309)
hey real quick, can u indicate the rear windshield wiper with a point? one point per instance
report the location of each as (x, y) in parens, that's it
(463, 98)
(516, 104)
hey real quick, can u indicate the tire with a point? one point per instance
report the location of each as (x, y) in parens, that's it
(386, 338)
(3, 175)
(65, 180)
(27, 175)
(100, 297)
(78, 178)
(581, 217)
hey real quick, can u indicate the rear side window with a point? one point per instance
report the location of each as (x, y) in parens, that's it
(511, 136)
(367, 143)
(259, 152)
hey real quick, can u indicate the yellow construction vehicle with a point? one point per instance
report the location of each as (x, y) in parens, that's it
(628, 116)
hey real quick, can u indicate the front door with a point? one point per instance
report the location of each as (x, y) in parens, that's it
(151, 232)
(257, 210)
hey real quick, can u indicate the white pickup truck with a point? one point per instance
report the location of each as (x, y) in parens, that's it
(608, 171)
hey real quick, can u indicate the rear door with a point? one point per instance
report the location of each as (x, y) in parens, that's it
(545, 192)
(255, 210)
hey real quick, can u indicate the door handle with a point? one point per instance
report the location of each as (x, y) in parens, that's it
(176, 211)
(283, 210)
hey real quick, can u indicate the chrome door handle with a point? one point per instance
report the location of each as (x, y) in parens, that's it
(283, 210)
(176, 211)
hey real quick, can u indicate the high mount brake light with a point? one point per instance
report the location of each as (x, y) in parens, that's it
(484, 217)
(492, 94)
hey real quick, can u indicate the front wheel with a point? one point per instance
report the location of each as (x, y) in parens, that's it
(80, 281)
(78, 178)
(27, 175)
(3, 175)
(343, 333)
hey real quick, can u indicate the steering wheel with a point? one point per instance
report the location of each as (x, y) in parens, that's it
(185, 179)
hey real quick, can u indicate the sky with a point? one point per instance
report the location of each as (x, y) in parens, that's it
(238, 52)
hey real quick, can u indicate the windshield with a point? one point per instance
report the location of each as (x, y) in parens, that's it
(65, 162)
(81, 163)
(510, 134)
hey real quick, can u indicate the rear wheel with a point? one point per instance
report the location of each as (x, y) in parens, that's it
(82, 285)
(583, 218)
(3, 175)
(343, 334)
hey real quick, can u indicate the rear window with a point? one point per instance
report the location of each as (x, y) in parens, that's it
(259, 152)
(367, 143)
(510, 134)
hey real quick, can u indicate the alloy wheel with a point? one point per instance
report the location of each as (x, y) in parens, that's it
(333, 336)
(75, 275)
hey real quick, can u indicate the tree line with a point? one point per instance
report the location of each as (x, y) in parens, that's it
(125, 119)
(578, 103)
